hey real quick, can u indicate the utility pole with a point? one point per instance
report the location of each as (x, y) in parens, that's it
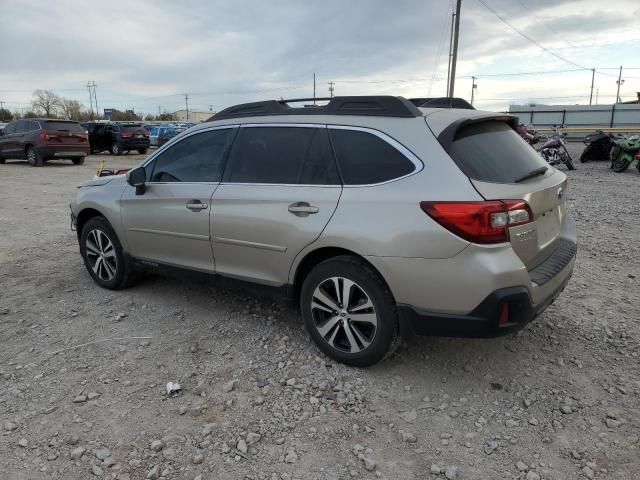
(90, 99)
(453, 18)
(95, 97)
(186, 104)
(474, 87)
(597, 93)
(593, 76)
(211, 108)
(620, 81)
(314, 88)
(331, 84)
(454, 56)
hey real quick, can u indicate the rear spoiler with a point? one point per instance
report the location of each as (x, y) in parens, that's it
(450, 134)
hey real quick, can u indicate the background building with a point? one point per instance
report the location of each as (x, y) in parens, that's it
(181, 116)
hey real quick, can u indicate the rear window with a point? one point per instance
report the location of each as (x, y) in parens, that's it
(63, 126)
(492, 151)
(130, 128)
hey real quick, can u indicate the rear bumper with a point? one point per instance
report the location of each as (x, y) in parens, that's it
(487, 319)
(63, 151)
(134, 144)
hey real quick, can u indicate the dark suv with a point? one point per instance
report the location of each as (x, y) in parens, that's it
(117, 138)
(38, 140)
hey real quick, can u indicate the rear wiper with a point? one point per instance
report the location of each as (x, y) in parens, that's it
(533, 173)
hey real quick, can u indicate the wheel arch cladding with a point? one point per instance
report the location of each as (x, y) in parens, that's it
(315, 257)
(84, 216)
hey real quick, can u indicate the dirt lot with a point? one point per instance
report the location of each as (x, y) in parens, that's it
(559, 400)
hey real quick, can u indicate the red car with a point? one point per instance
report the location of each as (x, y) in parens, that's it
(40, 139)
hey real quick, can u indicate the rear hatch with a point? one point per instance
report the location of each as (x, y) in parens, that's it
(133, 132)
(60, 132)
(502, 166)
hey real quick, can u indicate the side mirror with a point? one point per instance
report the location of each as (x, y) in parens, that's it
(137, 178)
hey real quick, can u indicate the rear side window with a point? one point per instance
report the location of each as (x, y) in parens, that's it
(34, 126)
(493, 152)
(63, 126)
(23, 126)
(282, 155)
(365, 158)
(197, 158)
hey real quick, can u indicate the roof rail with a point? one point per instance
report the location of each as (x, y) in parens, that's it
(441, 102)
(381, 106)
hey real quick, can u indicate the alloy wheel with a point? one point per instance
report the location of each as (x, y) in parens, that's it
(101, 255)
(344, 315)
(32, 157)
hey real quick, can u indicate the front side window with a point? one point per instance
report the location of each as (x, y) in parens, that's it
(9, 129)
(282, 155)
(197, 158)
(365, 158)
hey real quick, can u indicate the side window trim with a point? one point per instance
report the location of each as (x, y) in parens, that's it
(291, 125)
(408, 154)
(167, 146)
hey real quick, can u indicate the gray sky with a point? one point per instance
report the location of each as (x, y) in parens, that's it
(147, 54)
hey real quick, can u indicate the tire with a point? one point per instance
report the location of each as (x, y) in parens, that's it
(33, 157)
(2, 160)
(621, 163)
(358, 343)
(115, 149)
(78, 161)
(586, 154)
(110, 269)
(142, 151)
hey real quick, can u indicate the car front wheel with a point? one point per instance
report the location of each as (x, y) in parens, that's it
(349, 311)
(102, 254)
(115, 149)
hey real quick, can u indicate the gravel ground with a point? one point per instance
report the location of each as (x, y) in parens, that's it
(558, 400)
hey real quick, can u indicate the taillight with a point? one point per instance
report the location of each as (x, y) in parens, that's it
(145, 133)
(480, 222)
(44, 136)
(126, 134)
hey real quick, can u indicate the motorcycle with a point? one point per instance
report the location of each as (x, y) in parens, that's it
(598, 146)
(623, 153)
(529, 135)
(554, 150)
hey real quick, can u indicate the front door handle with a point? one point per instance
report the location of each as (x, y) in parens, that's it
(196, 205)
(302, 209)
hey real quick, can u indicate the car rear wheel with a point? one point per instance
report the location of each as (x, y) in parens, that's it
(2, 160)
(78, 161)
(102, 254)
(33, 157)
(349, 311)
(115, 149)
(142, 151)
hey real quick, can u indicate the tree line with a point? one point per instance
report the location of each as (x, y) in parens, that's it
(45, 103)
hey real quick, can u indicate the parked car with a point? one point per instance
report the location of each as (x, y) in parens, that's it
(161, 135)
(2, 125)
(117, 138)
(40, 139)
(379, 218)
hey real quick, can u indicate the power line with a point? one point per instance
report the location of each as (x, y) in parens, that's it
(524, 35)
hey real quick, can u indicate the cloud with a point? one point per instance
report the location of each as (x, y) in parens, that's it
(146, 54)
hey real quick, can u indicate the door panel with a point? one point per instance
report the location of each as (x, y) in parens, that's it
(165, 226)
(256, 236)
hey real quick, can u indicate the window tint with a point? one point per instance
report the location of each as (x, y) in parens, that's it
(11, 128)
(365, 158)
(198, 158)
(23, 126)
(34, 126)
(63, 126)
(282, 155)
(493, 152)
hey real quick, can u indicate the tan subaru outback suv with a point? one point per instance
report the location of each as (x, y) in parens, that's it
(379, 218)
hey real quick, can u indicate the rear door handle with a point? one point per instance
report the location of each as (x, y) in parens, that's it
(302, 209)
(196, 205)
